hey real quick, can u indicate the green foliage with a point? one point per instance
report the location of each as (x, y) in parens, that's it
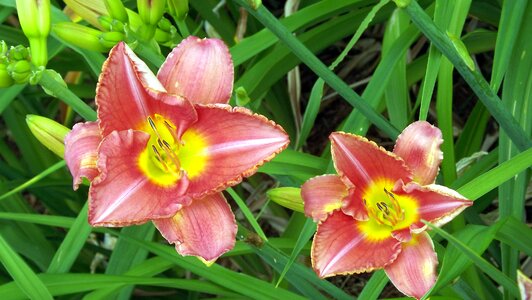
(371, 68)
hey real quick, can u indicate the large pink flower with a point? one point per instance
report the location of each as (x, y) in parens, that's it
(164, 147)
(370, 214)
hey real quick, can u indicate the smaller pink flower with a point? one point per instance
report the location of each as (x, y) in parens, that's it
(370, 214)
(165, 146)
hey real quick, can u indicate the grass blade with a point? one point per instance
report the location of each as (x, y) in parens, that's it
(25, 278)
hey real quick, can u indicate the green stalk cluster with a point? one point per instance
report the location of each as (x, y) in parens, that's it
(114, 23)
(16, 66)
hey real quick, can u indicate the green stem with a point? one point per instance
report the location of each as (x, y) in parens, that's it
(37, 178)
(247, 213)
(67, 96)
(183, 28)
(475, 80)
(306, 56)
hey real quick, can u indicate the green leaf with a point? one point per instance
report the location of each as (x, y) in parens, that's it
(484, 183)
(472, 255)
(69, 250)
(25, 278)
(247, 213)
(473, 78)
(306, 233)
(374, 286)
(65, 284)
(306, 56)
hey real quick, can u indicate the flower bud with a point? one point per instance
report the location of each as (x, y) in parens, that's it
(3, 48)
(288, 197)
(79, 35)
(255, 4)
(5, 79)
(34, 16)
(20, 71)
(162, 36)
(178, 9)
(106, 22)
(89, 10)
(164, 24)
(242, 97)
(50, 133)
(151, 11)
(18, 52)
(116, 10)
(110, 39)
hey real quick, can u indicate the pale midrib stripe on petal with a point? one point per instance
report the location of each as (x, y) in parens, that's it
(132, 188)
(242, 145)
(355, 162)
(348, 247)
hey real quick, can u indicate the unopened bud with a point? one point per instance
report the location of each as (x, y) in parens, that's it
(255, 4)
(50, 133)
(106, 22)
(110, 39)
(164, 24)
(151, 11)
(89, 10)
(5, 79)
(116, 10)
(288, 197)
(18, 52)
(178, 9)
(3, 48)
(20, 71)
(241, 96)
(79, 35)
(34, 17)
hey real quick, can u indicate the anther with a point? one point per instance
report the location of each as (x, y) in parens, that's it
(166, 144)
(152, 124)
(155, 150)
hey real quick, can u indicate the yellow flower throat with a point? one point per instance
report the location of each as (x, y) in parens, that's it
(166, 155)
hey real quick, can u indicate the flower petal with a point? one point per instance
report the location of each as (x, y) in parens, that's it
(122, 194)
(81, 151)
(362, 163)
(343, 245)
(323, 195)
(226, 144)
(201, 70)
(437, 204)
(128, 92)
(525, 286)
(419, 146)
(414, 271)
(206, 228)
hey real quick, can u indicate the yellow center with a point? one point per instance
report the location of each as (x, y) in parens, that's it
(166, 156)
(387, 211)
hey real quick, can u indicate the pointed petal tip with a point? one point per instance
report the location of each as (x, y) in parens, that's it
(254, 140)
(205, 229)
(342, 246)
(322, 195)
(414, 271)
(194, 62)
(81, 151)
(419, 146)
(437, 204)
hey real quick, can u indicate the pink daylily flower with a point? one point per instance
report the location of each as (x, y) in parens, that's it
(369, 216)
(165, 146)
